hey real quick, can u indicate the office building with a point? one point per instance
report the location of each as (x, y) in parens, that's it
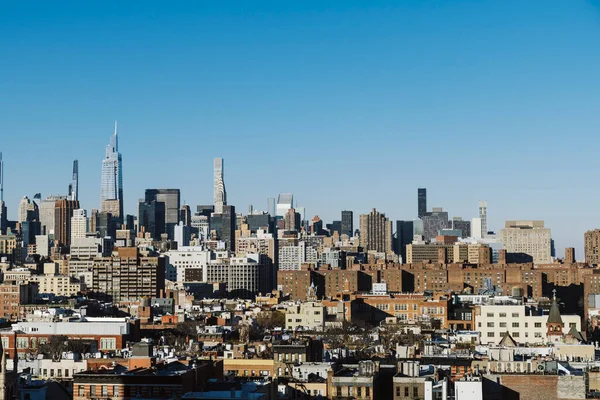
(476, 228)
(47, 213)
(127, 275)
(105, 225)
(263, 221)
(220, 195)
(171, 199)
(463, 226)
(111, 195)
(79, 224)
(63, 212)
(292, 220)
(285, 201)
(433, 222)
(592, 246)
(244, 276)
(404, 235)
(376, 232)
(335, 226)
(527, 240)
(223, 225)
(271, 206)
(483, 217)
(347, 223)
(182, 234)
(151, 218)
(185, 215)
(421, 201)
(28, 210)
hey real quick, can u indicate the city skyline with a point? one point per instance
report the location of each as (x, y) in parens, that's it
(516, 86)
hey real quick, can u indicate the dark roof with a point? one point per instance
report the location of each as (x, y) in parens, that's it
(576, 334)
(554, 317)
(508, 341)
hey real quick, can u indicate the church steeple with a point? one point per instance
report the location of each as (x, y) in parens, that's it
(554, 324)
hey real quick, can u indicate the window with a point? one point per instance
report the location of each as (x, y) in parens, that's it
(367, 391)
(104, 391)
(502, 315)
(108, 344)
(538, 325)
(502, 324)
(538, 334)
(490, 324)
(515, 315)
(416, 392)
(515, 324)
(490, 334)
(339, 391)
(489, 315)
(66, 373)
(81, 391)
(406, 391)
(92, 390)
(45, 372)
(359, 391)
(515, 334)
(397, 391)
(22, 343)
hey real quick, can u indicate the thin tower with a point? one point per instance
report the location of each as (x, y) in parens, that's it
(220, 195)
(74, 186)
(112, 178)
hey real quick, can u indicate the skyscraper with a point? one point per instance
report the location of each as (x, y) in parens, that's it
(376, 232)
(74, 186)
(271, 206)
(171, 198)
(151, 218)
(220, 195)
(47, 212)
(404, 236)
(63, 211)
(527, 238)
(422, 201)
(347, 223)
(111, 195)
(285, 201)
(79, 224)
(592, 246)
(28, 210)
(483, 217)
(3, 217)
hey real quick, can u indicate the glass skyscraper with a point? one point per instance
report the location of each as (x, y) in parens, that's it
(112, 177)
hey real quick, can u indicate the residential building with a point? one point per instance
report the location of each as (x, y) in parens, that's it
(306, 316)
(63, 213)
(483, 217)
(128, 275)
(376, 232)
(592, 246)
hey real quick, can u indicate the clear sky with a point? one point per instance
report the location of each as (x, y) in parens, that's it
(347, 104)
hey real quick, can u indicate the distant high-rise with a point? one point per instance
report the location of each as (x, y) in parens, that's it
(347, 223)
(433, 221)
(220, 195)
(185, 215)
(3, 217)
(376, 232)
(592, 247)
(28, 210)
(111, 195)
(404, 236)
(483, 217)
(271, 206)
(63, 211)
(47, 213)
(151, 218)
(171, 198)
(74, 186)
(527, 238)
(79, 224)
(422, 201)
(285, 201)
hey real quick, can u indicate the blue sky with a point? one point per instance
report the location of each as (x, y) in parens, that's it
(347, 104)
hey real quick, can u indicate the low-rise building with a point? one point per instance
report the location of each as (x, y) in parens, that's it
(308, 316)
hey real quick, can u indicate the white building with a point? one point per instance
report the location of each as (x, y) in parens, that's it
(79, 224)
(305, 316)
(476, 228)
(57, 284)
(285, 201)
(186, 257)
(525, 324)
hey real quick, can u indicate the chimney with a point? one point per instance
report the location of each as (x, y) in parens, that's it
(502, 257)
(442, 255)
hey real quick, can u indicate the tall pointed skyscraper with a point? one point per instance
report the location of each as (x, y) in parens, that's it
(220, 193)
(111, 195)
(74, 186)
